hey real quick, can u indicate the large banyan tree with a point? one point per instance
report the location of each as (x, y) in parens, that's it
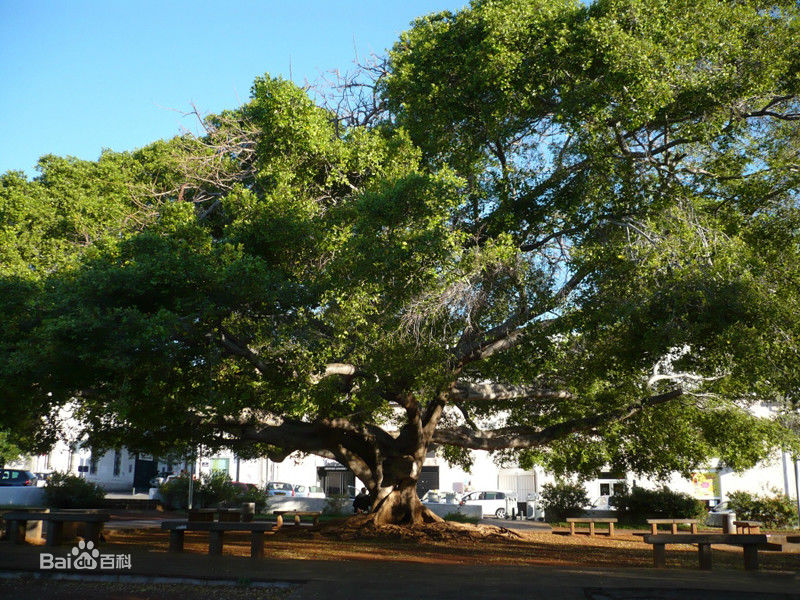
(565, 234)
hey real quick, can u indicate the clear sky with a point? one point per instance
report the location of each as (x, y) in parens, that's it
(77, 76)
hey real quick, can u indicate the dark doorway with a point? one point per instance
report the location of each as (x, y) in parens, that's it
(428, 480)
(143, 472)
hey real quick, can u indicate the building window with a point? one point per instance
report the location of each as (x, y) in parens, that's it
(619, 488)
(117, 462)
(605, 489)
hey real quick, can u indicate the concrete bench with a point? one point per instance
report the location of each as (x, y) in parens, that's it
(297, 514)
(54, 521)
(216, 533)
(229, 515)
(654, 523)
(749, 543)
(592, 521)
(748, 526)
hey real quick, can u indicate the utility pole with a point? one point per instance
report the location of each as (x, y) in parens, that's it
(797, 485)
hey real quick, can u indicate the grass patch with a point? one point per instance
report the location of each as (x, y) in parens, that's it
(461, 518)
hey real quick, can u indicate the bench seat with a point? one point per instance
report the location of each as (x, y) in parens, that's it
(18, 521)
(654, 523)
(592, 521)
(216, 531)
(297, 514)
(749, 543)
(748, 526)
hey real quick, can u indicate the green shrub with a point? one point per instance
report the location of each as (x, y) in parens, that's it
(259, 497)
(639, 504)
(776, 511)
(215, 490)
(210, 491)
(175, 493)
(338, 505)
(563, 499)
(461, 518)
(64, 490)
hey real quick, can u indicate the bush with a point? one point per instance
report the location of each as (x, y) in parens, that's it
(776, 512)
(338, 506)
(175, 493)
(639, 504)
(64, 490)
(563, 499)
(210, 491)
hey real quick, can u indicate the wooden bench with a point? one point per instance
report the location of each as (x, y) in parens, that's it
(216, 533)
(591, 521)
(654, 523)
(18, 524)
(749, 543)
(748, 526)
(297, 514)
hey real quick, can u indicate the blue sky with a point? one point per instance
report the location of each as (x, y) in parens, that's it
(79, 76)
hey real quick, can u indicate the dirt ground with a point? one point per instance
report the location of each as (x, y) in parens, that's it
(457, 544)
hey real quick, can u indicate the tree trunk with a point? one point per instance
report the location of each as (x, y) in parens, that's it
(402, 506)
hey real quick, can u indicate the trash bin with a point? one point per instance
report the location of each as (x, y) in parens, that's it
(727, 523)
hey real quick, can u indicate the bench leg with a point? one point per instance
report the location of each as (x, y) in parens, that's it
(751, 557)
(674, 529)
(591, 528)
(93, 532)
(659, 556)
(653, 529)
(280, 522)
(176, 540)
(16, 531)
(215, 543)
(572, 528)
(257, 544)
(316, 520)
(693, 527)
(704, 555)
(55, 531)
(297, 519)
(610, 530)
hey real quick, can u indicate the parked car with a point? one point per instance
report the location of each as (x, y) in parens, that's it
(17, 477)
(280, 488)
(492, 502)
(717, 514)
(309, 491)
(439, 497)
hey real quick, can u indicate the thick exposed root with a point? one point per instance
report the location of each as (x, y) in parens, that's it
(403, 507)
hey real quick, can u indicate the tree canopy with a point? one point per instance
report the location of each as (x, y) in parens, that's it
(567, 233)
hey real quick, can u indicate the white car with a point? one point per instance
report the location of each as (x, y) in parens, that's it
(492, 502)
(439, 497)
(308, 491)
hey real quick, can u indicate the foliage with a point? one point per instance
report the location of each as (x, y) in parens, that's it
(458, 517)
(638, 504)
(337, 505)
(9, 451)
(64, 490)
(210, 491)
(563, 499)
(175, 493)
(776, 511)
